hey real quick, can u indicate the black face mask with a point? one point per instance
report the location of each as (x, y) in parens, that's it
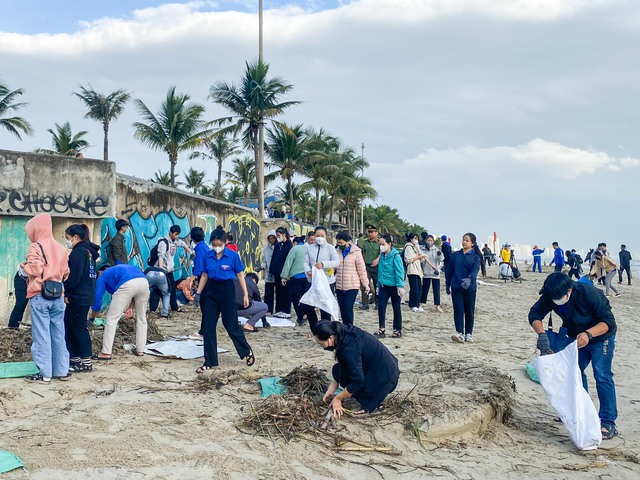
(330, 348)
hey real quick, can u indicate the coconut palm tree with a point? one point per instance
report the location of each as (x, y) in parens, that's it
(64, 142)
(177, 127)
(385, 218)
(319, 167)
(251, 103)
(234, 193)
(220, 146)
(243, 175)
(194, 179)
(162, 178)
(8, 106)
(103, 108)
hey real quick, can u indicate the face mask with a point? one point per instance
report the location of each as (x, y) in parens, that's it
(384, 248)
(281, 239)
(414, 241)
(330, 348)
(562, 301)
(69, 243)
(429, 244)
(218, 249)
(342, 247)
(321, 241)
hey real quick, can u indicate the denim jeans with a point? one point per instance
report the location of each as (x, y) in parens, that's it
(346, 299)
(158, 280)
(600, 355)
(48, 347)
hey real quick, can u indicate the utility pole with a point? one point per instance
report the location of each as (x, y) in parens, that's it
(362, 205)
(260, 163)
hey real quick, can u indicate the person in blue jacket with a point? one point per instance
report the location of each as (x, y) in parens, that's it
(222, 267)
(537, 258)
(558, 257)
(201, 249)
(128, 286)
(461, 285)
(366, 369)
(390, 286)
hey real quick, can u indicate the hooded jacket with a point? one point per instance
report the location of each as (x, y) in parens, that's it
(40, 230)
(267, 254)
(352, 271)
(463, 266)
(435, 257)
(325, 254)
(412, 251)
(80, 286)
(391, 269)
(280, 252)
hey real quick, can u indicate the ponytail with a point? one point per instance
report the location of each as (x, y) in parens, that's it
(79, 230)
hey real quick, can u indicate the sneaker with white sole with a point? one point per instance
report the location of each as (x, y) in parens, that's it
(458, 338)
(468, 338)
(414, 309)
(439, 309)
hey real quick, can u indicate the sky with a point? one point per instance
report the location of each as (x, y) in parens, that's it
(514, 116)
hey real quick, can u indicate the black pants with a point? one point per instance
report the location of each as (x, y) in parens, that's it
(415, 288)
(426, 285)
(297, 288)
(384, 295)
(372, 275)
(464, 308)
(283, 299)
(346, 300)
(219, 297)
(20, 293)
(370, 397)
(154, 297)
(311, 314)
(76, 331)
(574, 272)
(269, 292)
(623, 268)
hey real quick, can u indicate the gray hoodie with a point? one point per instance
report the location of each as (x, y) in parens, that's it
(265, 263)
(326, 254)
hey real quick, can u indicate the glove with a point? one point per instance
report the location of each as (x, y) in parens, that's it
(196, 300)
(402, 292)
(448, 290)
(466, 283)
(543, 344)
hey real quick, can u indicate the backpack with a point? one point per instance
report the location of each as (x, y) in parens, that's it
(153, 255)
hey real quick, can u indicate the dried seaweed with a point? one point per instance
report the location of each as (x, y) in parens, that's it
(15, 345)
(306, 381)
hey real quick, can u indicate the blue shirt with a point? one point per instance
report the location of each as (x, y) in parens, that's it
(112, 279)
(227, 267)
(538, 252)
(346, 251)
(201, 251)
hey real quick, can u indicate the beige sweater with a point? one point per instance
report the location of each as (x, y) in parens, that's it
(414, 267)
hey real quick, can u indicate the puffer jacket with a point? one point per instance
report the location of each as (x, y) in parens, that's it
(40, 231)
(352, 271)
(412, 251)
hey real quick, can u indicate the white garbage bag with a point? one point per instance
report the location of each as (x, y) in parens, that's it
(320, 295)
(560, 377)
(505, 270)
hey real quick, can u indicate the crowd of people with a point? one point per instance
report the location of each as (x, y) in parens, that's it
(62, 288)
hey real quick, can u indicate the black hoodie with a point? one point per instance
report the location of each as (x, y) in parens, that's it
(80, 286)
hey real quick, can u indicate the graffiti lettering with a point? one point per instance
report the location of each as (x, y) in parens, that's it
(246, 232)
(59, 203)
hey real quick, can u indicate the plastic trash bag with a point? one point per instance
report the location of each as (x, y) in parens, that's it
(560, 377)
(320, 294)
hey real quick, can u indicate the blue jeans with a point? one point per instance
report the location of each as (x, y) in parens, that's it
(600, 355)
(48, 347)
(537, 261)
(159, 281)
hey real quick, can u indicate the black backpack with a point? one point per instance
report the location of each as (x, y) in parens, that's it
(153, 255)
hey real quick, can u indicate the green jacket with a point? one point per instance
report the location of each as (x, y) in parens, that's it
(294, 264)
(118, 252)
(391, 270)
(370, 250)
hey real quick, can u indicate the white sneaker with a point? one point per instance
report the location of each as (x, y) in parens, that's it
(458, 338)
(468, 338)
(439, 309)
(285, 315)
(414, 309)
(278, 315)
(420, 309)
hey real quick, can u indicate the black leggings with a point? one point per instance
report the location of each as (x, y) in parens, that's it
(20, 294)
(464, 308)
(415, 289)
(76, 331)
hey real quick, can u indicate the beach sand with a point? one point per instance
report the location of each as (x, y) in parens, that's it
(139, 418)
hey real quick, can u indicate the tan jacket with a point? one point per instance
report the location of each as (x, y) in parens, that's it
(352, 271)
(605, 265)
(412, 251)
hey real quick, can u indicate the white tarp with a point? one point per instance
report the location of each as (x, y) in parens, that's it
(273, 321)
(184, 349)
(320, 294)
(560, 377)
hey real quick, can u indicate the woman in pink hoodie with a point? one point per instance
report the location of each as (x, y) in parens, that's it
(46, 260)
(351, 273)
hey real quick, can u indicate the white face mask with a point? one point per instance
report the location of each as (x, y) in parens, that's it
(429, 244)
(218, 249)
(384, 248)
(321, 241)
(281, 239)
(414, 241)
(562, 301)
(69, 243)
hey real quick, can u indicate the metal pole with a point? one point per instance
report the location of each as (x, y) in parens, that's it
(260, 56)
(362, 205)
(260, 163)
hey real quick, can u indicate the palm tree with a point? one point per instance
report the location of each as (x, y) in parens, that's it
(207, 191)
(243, 175)
(64, 142)
(14, 125)
(385, 218)
(163, 178)
(194, 179)
(252, 102)
(220, 146)
(343, 161)
(176, 128)
(103, 108)
(318, 168)
(234, 193)
(292, 190)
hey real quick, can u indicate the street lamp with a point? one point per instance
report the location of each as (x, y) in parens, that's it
(362, 206)
(260, 163)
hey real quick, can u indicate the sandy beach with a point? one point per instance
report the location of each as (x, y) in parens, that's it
(144, 417)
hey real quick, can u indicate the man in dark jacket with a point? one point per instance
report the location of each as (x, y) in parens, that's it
(625, 264)
(586, 314)
(447, 251)
(256, 309)
(117, 253)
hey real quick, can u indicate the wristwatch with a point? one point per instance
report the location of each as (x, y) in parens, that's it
(589, 335)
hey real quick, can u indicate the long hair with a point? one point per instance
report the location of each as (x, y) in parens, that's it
(325, 328)
(78, 229)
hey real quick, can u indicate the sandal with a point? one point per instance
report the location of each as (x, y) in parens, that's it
(265, 324)
(397, 334)
(380, 333)
(98, 357)
(37, 379)
(81, 368)
(250, 359)
(609, 431)
(252, 329)
(204, 368)
(135, 351)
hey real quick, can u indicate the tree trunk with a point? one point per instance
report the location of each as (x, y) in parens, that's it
(289, 182)
(330, 212)
(317, 207)
(260, 169)
(105, 154)
(173, 162)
